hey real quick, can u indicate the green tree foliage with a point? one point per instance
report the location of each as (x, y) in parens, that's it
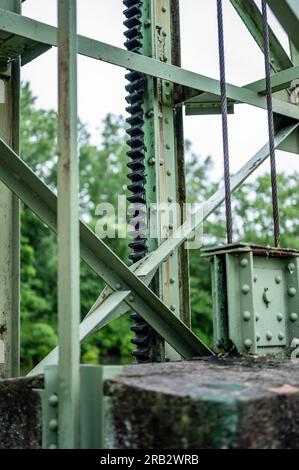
(102, 178)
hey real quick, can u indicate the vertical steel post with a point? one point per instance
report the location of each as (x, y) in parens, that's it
(163, 151)
(10, 222)
(68, 229)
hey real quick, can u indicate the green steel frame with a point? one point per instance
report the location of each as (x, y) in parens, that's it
(23, 39)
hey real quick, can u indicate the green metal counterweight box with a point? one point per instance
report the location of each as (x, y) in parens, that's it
(255, 299)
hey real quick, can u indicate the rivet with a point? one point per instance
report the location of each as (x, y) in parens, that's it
(169, 173)
(292, 292)
(167, 84)
(269, 335)
(147, 23)
(246, 316)
(245, 289)
(163, 9)
(161, 162)
(278, 279)
(218, 344)
(172, 280)
(293, 317)
(247, 343)
(167, 146)
(170, 199)
(172, 308)
(164, 33)
(167, 121)
(150, 113)
(53, 400)
(280, 336)
(170, 226)
(118, 286)
(255, 278)
(167, 95)
(257, 317)
(279, 316)
(52, 447)
(244, 262)
(131, 298)
(151, 161)
(53, 425)
(291, 268)
(258, 337)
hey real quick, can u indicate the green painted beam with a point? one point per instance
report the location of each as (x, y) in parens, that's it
(68, 229)
(43, 202)
(287, 13)
(16, 24)
(110, 305)
(252, 18)
(10, 226)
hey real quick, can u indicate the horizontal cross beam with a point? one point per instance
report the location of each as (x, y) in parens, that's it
(279, 81)
(110, 306)
(43, 202)
(35, 30)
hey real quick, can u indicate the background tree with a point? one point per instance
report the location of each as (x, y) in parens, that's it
(102, 178)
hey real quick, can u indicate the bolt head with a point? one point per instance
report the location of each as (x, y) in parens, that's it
(269, 335)
(245, 289)
(53, 425)
(246, 316)
(151, 161)
(244, 262)
(280, 336)
(294, 317)
(53, 400)
(291, 267)
(279, 316)
(248, 343)
(292, 291)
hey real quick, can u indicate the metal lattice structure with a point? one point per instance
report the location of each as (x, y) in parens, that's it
(156, 285)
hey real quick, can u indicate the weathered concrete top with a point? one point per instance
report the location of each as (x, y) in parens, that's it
(211, 403)
(20, 424)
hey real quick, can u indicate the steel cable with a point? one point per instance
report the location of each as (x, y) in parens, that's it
(228, 203)
(275, 203)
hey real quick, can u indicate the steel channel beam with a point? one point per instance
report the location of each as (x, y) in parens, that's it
(287, 13)
(252, 18)
(279, 81)
(26, 27)
(110, 306)
(42, 201)
(68, 229)
(10, 225)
